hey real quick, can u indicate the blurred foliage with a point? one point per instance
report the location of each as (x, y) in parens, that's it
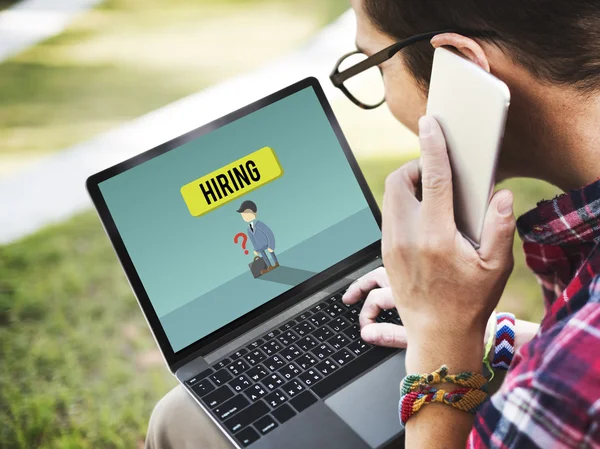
(129, 57)
(79, 366)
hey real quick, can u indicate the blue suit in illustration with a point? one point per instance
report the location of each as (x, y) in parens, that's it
(262, 239)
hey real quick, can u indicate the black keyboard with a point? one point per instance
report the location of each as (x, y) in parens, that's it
(261, 386)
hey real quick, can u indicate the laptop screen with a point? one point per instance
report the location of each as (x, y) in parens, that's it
(231, 220)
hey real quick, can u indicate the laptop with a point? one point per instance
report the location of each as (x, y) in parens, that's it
(239, 239)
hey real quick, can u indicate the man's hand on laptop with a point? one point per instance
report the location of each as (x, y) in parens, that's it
(376, 288)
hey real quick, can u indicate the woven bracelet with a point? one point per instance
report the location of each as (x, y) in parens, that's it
(505, 341)
(414, 382)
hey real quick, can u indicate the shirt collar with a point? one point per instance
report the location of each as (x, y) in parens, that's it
(573, 217)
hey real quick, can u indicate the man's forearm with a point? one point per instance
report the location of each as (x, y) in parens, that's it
(440, 425)
(524, 332)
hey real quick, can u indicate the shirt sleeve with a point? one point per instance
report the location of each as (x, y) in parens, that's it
(550, 396)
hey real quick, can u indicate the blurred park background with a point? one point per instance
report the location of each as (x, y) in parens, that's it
(78, 366)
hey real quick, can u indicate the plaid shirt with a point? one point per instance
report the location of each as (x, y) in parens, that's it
(550, 397)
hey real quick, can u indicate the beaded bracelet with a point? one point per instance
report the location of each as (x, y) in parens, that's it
(465, 399)
(505, 341)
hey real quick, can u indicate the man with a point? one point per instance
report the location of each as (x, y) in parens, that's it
(548, 53)
(261, 236)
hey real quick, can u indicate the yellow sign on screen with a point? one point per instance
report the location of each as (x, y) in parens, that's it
(232, 181)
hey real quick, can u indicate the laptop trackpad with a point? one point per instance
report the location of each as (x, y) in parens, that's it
(370, 404)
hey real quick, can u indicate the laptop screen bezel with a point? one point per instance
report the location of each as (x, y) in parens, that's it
(292, 296)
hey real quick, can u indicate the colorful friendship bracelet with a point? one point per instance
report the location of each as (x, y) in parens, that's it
(414, 382)
(465, 399)
(505, 341)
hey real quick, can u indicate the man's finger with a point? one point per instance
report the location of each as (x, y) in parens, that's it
(384, 334)
(363, 285)
(498, 229)
(378, 300)
(436, 176)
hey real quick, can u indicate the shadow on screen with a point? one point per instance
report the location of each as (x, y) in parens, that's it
(287, 275)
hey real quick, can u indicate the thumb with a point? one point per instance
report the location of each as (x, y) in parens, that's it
(498, 229)
(384, 334)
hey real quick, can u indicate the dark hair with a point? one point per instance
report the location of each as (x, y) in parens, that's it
(247, 205)
(558, 41)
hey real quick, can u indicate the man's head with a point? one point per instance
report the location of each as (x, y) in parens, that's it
(544, 50)
(248, 211)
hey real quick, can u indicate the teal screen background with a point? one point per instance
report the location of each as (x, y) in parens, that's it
(197, 279)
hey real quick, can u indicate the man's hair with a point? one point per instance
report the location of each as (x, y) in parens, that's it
(558, 41)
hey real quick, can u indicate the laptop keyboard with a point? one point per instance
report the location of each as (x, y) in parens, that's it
(258, 388)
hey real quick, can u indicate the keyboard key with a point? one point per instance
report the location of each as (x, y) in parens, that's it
(265, 425)
(275, 362)
(255, 392)
(247, 436)
(283, 413)
(346, 373)
(275, 399)
(239, 353)
(240, 383)
(352, 315)
(331, 300)
(222, 364)
(271, 335)
(256, 344)
(306, 361)
(287, 338)
(293, 388)
(289, 371)
(246, 416)
(318, 307)
(238, 367)
(307, 343)
(288, 325)
(257, 373)
(290, 353)
(200, 376)
(303, 401)
(334, 310)
(339, 324)
(304, 316)
(231, 407)
(353, 332)
(304, 328)
(322, 351)
(342, 357)
(319, 319)
(310, 377)
(326, 367)
(273, 381)
(255, 357)
(203, 387)
(221, 377)
(338, 342)
(359, 347)
(323, 333)
(271, 347)
(219, 396)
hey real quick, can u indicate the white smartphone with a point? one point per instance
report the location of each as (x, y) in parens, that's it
(471, 106)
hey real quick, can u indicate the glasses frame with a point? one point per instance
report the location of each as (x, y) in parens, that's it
(338, 78)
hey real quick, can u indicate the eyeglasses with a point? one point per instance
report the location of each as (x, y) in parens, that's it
(361, 78)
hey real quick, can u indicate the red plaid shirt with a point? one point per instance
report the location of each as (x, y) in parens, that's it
(550, 397)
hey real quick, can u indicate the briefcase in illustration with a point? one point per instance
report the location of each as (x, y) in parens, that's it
(257, 265)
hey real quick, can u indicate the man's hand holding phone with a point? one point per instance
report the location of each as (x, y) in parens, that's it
(443, 288)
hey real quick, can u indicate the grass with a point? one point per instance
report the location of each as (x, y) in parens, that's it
(126, 58)
(79, 364)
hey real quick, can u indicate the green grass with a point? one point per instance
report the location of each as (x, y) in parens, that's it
(126, 58)
(78, 366)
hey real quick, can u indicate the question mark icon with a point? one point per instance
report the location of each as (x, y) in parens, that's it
(244, 238)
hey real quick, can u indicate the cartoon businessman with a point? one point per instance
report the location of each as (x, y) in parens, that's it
(260, 235)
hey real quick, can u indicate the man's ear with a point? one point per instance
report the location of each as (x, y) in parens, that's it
(465, 45)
